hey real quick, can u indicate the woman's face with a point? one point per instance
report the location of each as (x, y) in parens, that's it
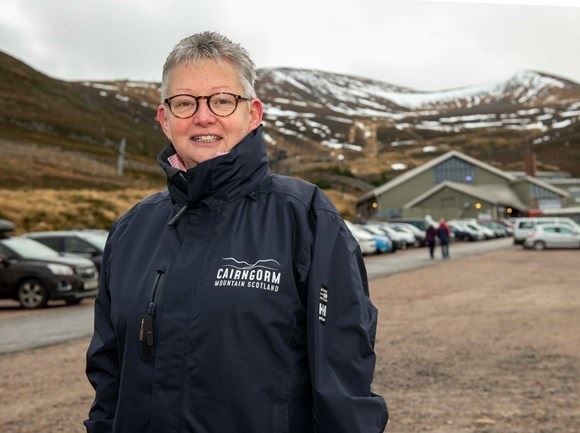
(204, 135)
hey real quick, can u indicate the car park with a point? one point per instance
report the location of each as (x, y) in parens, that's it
(400, 240)
(414, 230)
(472, 225)
(33, 274)
(365, 240)
(408, 235)
(462, 233)
(553, 236)
(384, 243)
(487, 232)
(498, 229)
(473, 233)
(420, 223)
(79, 243)
(525, 226)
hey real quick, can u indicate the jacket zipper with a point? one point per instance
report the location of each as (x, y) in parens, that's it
(147, 328)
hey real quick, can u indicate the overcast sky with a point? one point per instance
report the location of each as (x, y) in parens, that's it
(422, 44)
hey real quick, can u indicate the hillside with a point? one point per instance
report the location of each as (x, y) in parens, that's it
(335, 130)
(376, 128)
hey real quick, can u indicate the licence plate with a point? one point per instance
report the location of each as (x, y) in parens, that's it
(92, 284)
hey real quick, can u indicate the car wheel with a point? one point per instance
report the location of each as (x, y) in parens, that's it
(73, 301)
(32, 293)
(539, 246)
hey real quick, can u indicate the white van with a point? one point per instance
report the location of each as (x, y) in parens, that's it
(526, 226)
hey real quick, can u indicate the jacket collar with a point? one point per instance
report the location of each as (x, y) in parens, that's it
(219, 179)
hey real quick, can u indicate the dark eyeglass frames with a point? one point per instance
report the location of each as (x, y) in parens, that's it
(221, 104)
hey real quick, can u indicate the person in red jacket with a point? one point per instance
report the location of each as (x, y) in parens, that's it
(443, 233)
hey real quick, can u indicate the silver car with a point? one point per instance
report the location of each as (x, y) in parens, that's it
(553, 236)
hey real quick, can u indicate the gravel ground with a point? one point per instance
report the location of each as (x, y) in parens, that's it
(480, 344)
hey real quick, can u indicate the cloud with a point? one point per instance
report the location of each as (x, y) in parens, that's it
(421, 44)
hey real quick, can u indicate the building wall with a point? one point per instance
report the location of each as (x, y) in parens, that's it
(523, 191)
(572, 188)
(392, 201)
(449, 204)
(534, 195)
(484, 177)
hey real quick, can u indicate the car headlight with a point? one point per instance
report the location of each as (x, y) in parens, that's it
(60, 269)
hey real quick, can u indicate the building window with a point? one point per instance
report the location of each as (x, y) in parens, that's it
(539, 193)
(575, 194)
(455, 170)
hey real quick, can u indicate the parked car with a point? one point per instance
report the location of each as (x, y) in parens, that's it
(473, 234)
(497, 228)
(5, 227)
(471, 225)
(416, 231)
(384, 243)
(365, 240)
(79, 243)
(400, 240)
(420, 223)
(553, 236)
(525, 226)
(32, 274)
(462, 233)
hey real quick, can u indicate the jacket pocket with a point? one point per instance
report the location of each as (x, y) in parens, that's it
(280, 419)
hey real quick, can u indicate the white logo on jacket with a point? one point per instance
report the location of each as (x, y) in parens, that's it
(262, 274)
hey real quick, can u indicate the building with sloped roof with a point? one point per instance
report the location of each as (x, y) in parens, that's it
(455, 185)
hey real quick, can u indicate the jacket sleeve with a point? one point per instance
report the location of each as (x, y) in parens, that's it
(102, 360)
(341, 332)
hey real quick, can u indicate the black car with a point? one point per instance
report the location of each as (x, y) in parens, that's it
(33, 273)
(75, 243)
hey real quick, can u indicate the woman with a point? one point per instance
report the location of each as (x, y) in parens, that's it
(237, 300)
(430, 235)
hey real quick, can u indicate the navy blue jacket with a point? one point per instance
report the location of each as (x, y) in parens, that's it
(234, 302)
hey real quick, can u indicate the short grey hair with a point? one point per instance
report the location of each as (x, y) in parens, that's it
(212, 46)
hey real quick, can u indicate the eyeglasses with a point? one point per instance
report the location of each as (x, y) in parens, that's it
(220, 104)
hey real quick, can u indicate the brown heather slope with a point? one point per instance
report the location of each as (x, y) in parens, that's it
(304, 108)
(41, 109)
(50, 209)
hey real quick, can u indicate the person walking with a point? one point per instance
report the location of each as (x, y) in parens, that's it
(443, 234)
(430, 235)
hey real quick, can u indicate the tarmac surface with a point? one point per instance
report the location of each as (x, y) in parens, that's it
(22, 330)
(480, 344)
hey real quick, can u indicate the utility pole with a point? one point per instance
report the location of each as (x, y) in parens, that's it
(121, 157)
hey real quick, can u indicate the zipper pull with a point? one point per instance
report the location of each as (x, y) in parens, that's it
(148, 325)
(147, 330)
(151, 309)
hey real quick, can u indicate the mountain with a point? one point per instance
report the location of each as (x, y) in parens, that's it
(336, 130)
(395, 127)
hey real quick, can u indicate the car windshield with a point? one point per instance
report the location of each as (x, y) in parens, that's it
(96, 240)
(29, 249)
